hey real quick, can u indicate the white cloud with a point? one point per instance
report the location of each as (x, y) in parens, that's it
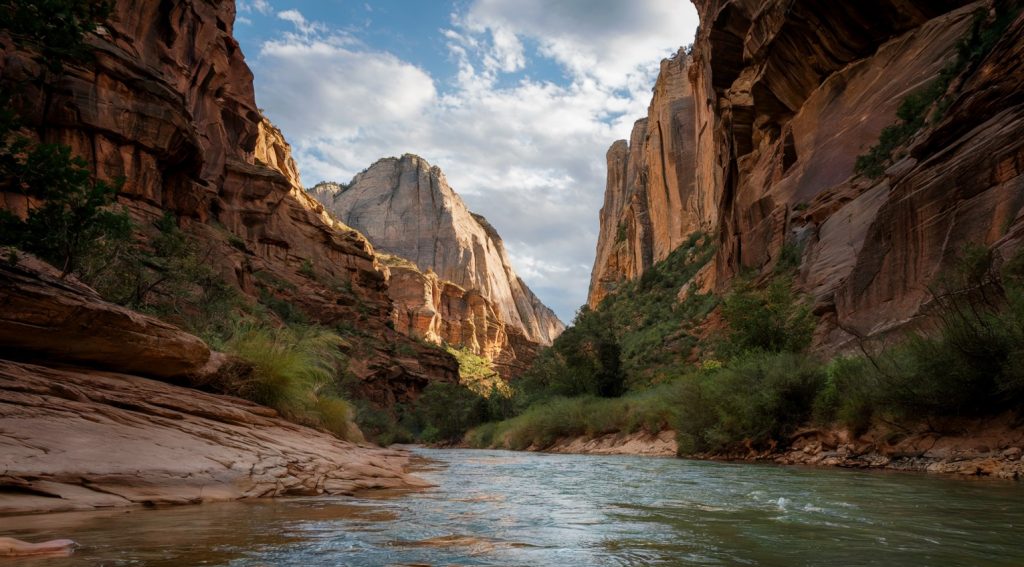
(261, 6)
(611, 41)
(303, 26)
(528, 155)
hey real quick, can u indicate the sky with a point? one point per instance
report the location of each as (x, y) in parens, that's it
(517, 101)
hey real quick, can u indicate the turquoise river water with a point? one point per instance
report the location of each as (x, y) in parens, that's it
(505, 508)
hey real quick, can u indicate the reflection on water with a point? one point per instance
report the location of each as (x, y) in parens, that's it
(501, 508)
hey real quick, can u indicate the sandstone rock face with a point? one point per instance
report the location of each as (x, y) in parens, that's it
(168, 105)
(77, 439)
(783, 97)
(460, 287)
(651, 203)
(77, 431)
(45, 318)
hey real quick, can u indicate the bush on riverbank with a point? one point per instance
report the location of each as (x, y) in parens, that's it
(971, 364)
(762, 386)
(546, 422)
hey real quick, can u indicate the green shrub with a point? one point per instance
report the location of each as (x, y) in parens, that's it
(237, 243)
(72, 215)
(56, 29)
(756, 399)
(283, 308)
(380, 426)
(447, 411)
(293, 370)
(769, 318)
(969, 365)
(622, 232)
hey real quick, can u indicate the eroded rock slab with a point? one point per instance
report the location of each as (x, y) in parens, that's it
(73, 439)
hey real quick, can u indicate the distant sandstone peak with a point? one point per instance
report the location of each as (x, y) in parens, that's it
(406, 208)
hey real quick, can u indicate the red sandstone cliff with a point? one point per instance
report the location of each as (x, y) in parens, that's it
(766, 119)
(168, 105)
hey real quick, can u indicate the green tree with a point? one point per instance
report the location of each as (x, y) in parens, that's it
(55, 29)
(769, 318)
(69, 211)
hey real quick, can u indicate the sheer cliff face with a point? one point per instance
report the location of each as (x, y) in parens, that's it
(406, 208)
(168, 105)
(651, 204)
(775, 104)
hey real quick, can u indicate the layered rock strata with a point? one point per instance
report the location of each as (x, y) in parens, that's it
(776, 102)
(81, 429)
(456, 283)
(167, 104)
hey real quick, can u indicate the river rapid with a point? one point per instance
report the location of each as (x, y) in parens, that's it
(508, 508)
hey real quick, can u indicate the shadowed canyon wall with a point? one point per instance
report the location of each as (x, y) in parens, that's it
(456, 284)
(168, 105)
(754, 136)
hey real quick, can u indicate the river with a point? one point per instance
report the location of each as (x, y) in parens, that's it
(507, 508)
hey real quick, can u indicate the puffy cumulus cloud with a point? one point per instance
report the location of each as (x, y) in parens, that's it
(528, 154)
(319, 86)
(612, 41)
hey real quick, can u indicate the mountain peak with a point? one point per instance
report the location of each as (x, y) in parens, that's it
(405, 207)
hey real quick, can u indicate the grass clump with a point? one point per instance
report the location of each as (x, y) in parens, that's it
(294, 369)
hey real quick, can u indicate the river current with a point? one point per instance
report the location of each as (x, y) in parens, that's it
(507, 508)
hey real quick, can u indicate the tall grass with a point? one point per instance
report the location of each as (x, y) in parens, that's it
(542, 424)
(294, 371)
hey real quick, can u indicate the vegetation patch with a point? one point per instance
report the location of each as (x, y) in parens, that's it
(294, 372)
(930, 103)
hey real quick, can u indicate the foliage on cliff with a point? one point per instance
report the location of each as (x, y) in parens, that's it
(930, 102)
(638, 335)
(70, 214)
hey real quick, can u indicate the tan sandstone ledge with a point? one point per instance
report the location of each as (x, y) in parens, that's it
(640, 443)
(72, 439)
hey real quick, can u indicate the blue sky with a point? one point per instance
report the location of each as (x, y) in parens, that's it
(516, 100)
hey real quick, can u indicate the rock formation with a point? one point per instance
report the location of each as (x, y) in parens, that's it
(651, 205)
(767, 117)
(82, 429)
(457, 285)
(168, 105)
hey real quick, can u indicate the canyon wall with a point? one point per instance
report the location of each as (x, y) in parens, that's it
(456, 283)
(94, 414)
(167, 104)
(775, 103)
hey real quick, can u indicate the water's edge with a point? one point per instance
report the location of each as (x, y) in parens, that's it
(994, 453)
(527, 508)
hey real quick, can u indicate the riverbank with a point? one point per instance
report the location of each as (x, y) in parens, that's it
(991, 450)
(640, 443)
